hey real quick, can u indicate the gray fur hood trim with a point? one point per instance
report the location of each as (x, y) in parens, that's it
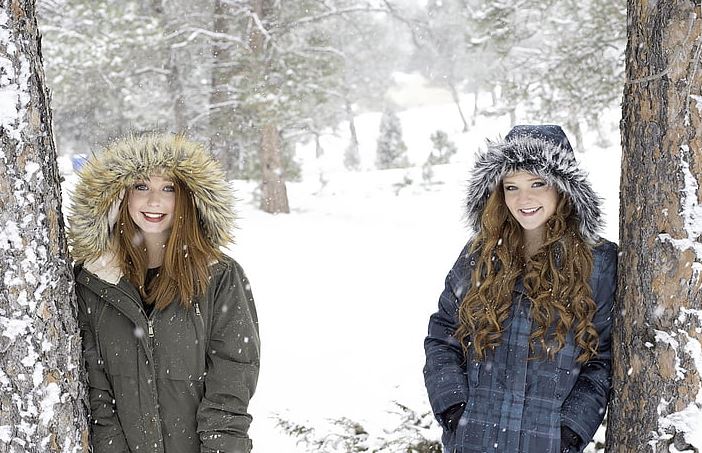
(107, 175)
(543, 151)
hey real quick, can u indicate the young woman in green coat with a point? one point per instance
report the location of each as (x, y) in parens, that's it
(169, 326)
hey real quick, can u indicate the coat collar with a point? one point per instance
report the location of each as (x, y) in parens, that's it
(105, 267)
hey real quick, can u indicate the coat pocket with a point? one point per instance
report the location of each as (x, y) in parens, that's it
(565, 380)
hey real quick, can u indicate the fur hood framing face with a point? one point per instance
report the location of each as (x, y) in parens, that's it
(107, 176)
(543, 150)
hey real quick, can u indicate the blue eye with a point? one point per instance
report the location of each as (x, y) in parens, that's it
(510, 188)
(169, 189)
(140, 186)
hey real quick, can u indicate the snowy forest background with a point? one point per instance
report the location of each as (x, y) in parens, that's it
(377, 108)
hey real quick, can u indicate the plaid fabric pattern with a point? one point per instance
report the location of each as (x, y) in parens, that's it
(514, 404)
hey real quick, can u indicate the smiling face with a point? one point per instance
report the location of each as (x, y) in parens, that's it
(151, 204)
(530, 200)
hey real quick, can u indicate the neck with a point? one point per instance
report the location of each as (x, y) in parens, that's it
(533, 240)
(155, 248)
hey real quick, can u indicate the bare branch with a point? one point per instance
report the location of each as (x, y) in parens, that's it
(151, 69)
(195, 32)
(332, 13)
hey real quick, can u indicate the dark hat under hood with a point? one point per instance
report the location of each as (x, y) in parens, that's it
(108, 175)
(543, 150)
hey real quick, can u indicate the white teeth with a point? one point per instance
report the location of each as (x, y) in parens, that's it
(153, 216)
(529, 211)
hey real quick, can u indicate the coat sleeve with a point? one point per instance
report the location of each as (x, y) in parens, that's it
(444, 374)
(232, 364)
(106, 431)
(584, 409)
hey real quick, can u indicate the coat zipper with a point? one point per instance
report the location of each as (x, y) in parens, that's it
(150, 327)
(149, 318)
(97, 339)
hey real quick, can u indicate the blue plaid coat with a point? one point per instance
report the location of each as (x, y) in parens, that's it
(513, 404)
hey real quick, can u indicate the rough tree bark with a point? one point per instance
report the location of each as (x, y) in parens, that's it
(657, 394)
(41, 393)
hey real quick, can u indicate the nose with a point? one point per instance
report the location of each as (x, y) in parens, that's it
(523, 196)
(154, 198)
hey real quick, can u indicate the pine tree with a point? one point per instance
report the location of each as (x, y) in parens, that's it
(42, 391)
(443, 148)
(656, 403)
(391, 151)
(104, 66)
(442, 152)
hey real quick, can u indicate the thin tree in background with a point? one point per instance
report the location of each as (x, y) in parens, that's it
(274, 194)
(41, 393)
(224, 123)
(657, 357)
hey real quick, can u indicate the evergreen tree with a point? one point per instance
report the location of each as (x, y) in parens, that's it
(104, 67)
(391, 151)
(443, 148)
(371, 51)
(568, 66)
(442, 152)
(657, 319)
(42, 389)
(442, 55)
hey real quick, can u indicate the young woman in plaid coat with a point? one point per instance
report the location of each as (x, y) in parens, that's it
(518, 354)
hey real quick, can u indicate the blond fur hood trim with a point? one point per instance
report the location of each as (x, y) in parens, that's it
(109, 174)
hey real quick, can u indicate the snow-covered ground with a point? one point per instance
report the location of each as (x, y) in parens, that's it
(345, 284)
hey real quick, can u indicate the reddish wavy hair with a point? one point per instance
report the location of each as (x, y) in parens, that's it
(185, 271)
(556, 279)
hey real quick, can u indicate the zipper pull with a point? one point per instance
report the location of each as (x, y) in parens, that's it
(151, 328)
(197, 309)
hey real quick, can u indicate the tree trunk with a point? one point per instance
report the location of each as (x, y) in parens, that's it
(457, 101)
(578, 134)
(318, 149)
(657, 387)
(274, 195)
(223, 127)
(175, 85)
(475, 107)
(352, 157)
(41, 394)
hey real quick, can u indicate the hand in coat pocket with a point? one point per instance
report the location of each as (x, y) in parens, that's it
(452, 415)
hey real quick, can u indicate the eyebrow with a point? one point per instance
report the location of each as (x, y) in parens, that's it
(535, 178)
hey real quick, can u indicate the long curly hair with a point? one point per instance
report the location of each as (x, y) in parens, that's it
(185, 271)
(556, 279)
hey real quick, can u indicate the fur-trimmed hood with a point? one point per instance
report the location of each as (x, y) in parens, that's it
(106, 177)
(543, 150)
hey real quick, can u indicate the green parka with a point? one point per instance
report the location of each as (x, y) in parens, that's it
(178, 380)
